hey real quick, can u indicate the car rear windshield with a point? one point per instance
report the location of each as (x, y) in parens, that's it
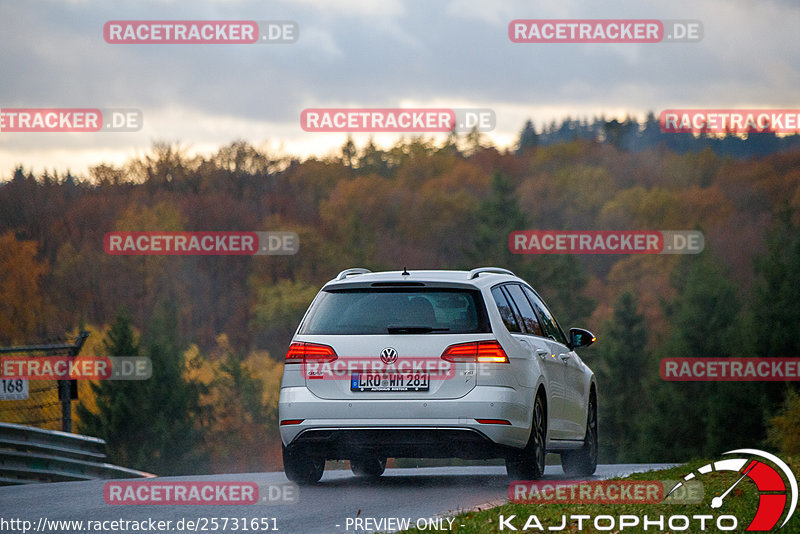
(397, 311)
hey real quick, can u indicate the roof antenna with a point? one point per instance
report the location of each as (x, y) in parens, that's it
(405, 272)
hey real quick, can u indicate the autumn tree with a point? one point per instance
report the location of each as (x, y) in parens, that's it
(22, 305)
(782, 427)
(277, 312)
(239, 406)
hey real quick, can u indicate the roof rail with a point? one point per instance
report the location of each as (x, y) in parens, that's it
(356, 270)
(474, 273)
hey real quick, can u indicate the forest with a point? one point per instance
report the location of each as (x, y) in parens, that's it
(217, 327)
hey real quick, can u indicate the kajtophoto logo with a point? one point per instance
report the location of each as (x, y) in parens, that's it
(775, 484)
(771, 484)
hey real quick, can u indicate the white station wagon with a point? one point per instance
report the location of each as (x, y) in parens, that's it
(435, 364)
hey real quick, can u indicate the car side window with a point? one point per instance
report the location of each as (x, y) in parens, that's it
(529, 320)
(506, 313)
(548, 322)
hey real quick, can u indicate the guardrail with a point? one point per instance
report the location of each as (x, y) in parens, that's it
(30, 455)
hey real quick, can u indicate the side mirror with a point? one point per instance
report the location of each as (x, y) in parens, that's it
(578, 337)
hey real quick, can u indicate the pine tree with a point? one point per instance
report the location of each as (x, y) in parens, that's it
(150, 424)
(169, 418)
(689, 419)
(498, 215)
(620, 366)
(775, 313)
(528, 138)
(560, 277)
(115, 400)
(349, 152)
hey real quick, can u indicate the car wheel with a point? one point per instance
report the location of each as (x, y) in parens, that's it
(528, 464)
(302, 468)
(583, 462)
(368, 467)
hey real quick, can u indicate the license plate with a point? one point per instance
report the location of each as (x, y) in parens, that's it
(389, 382)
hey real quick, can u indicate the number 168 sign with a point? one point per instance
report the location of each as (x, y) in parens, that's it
(13, 389)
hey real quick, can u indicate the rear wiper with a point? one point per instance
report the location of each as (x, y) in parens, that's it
(414, 329)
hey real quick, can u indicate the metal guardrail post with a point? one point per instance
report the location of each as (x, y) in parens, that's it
(66, 405)
(68, 389)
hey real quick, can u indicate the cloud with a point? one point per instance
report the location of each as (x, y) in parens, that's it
(364, 53)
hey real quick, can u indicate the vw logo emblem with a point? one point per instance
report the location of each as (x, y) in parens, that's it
(388, 355)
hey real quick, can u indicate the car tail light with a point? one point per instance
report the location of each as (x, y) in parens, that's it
(491, 352)
(475, 352)
(463, 352)
(493, 421)
(291, 421)
(301, 351)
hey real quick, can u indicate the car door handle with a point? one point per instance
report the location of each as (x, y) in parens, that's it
(564, 357)
(541, 353)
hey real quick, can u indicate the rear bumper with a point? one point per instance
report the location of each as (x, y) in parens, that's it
(415, 428)
(345, 443)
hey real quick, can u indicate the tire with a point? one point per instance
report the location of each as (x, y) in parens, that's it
(302, 468)
(528, 464)
(368, 467)
(583, 462)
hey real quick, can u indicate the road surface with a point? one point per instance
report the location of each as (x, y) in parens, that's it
(427, 494)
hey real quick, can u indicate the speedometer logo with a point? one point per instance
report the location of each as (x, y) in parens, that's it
(771, 484)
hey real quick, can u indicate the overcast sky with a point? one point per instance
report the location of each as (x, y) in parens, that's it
(372, 53)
